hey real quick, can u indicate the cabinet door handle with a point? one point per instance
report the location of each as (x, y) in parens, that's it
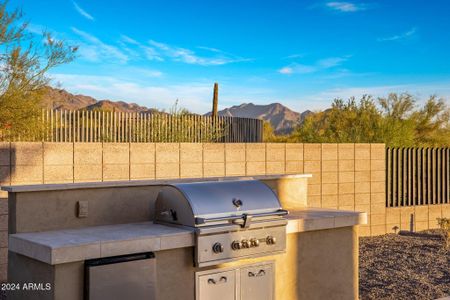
(222, 279)
(260, 273)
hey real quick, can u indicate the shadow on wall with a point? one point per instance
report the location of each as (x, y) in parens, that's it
(5, 179)
(21, 163)
(7, 155)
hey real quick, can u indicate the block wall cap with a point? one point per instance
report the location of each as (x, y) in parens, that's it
(136, 183)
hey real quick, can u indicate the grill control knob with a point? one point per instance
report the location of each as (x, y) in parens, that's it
(217, 248)
(270, 240)
(254, 243)
(245, 244)
(236, 245)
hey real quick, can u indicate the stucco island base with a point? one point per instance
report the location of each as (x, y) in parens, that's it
(320, 264)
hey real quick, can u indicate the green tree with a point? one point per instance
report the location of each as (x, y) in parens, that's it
(25, 60)
(269, 135)
(312, 130)
(398, 126)
(344, 122)
(432, 123)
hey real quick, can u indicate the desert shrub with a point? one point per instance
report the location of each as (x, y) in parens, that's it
(444, 224)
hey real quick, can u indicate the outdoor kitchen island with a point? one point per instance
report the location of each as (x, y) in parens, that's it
(71, 236)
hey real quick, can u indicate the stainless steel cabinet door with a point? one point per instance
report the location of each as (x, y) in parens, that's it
(257, 282)
(122, 279)
(217, 286)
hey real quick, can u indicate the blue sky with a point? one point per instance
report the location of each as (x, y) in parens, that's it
(299, 53)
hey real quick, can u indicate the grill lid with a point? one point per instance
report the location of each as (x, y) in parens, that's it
(193, 204)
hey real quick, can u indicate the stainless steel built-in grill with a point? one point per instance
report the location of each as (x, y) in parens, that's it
(232, 219)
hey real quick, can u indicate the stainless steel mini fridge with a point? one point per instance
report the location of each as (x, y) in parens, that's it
(121, 277)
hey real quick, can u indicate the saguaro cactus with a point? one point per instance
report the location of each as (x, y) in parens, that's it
(215, 99)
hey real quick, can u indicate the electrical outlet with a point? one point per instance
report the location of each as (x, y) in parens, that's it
(83, 209)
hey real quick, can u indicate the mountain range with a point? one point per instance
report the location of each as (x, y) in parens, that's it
(62, 100)
(280, 117)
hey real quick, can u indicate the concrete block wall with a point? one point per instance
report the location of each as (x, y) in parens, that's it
(348, 177)
(415, 218)
(345, 176)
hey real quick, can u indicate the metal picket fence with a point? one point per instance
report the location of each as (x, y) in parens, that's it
(417, 176)
(102, 126)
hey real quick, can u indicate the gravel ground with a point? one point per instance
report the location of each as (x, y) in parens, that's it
(404, 266)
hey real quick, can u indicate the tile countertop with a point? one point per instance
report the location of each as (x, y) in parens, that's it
(70, 245)
(310, 219)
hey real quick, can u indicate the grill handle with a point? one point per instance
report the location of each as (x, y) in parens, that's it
(280, 212)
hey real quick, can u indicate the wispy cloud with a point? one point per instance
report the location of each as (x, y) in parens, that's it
(320, 65)
(346, 7)
(35, 28)
(149, 53)
(331, 62)
(191, 57)
(292, 56)
(286, 70)
(405, 35)
(298, 69)
(82, 12)
(93, 49)
(128, 40)
(210, 49)
(154, 51)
